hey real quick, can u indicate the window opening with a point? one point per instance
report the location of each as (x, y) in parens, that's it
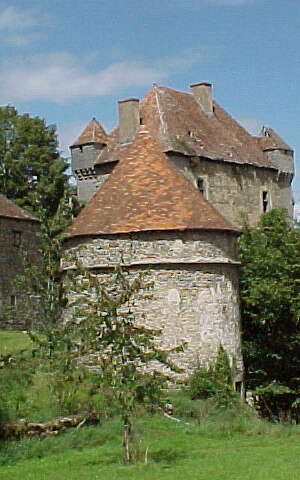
(17, 237)
(13, 301)
(238, 387)
(265, 201)
(201, 186)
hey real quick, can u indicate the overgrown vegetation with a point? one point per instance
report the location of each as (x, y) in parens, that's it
(32, 173)
(216, 381)
(270, 307)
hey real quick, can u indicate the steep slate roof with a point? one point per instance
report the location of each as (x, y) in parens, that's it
(146, 192)
(178, 124)
(270, 140)
(93, 133)
(11, 210)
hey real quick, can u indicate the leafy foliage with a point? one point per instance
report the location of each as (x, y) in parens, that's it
(270, 303)
(118, 347)
(215, 381)
(32, 173)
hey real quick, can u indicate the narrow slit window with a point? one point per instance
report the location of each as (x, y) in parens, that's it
(13, 301)
(201, 186)
(265, 201)
(238, 387)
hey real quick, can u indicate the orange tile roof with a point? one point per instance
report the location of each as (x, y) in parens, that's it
(146, 192)
(11, 210)
(93, 133)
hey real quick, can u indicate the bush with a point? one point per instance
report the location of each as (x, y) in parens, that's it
(215, 381)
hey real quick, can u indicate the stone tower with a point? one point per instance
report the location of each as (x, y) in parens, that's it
(84, 152)
(150, 217)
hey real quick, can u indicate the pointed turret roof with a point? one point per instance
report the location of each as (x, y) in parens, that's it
(145, 192)
(93, 133)
(270, 140)
(11, 210)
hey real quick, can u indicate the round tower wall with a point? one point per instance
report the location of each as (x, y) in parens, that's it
(194, 298)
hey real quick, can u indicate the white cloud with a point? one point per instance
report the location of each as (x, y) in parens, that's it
(13, 19)
(17, 25)
(62, 77)
(252, 125)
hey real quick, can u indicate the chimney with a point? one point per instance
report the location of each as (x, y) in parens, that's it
(129, 119)
(203, 95)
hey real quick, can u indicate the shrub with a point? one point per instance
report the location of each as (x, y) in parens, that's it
(215, 381)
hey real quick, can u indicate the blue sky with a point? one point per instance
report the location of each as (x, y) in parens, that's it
(69, 60)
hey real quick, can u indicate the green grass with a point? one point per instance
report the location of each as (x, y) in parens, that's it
(175, 451)
(13, 341)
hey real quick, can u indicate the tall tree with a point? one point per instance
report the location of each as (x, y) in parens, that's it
(32, 172)
(270, 301)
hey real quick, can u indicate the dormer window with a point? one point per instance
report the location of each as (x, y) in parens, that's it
(17, 238)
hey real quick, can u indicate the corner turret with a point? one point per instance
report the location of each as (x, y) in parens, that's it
(279, 153)
(84, 152)
(281, 156)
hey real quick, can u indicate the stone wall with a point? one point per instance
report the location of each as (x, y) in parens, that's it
(237, 189)
(194, 299)
(149, 248)
(16, 237)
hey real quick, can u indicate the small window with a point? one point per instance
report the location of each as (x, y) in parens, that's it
(201, 186)
(13, 301)
(265, 201)
(141, 121)
(17, 238)
(238, 387)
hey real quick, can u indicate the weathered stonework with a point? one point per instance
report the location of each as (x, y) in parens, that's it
(16, 237)
(194, 299)
(236, 190)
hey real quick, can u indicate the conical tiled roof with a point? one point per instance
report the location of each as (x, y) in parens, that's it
(270, 140)
(93, 133)
(146, 192)
(11, 210)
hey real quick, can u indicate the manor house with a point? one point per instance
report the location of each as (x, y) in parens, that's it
(164, 193)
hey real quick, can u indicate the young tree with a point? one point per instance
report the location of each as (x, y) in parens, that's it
(32, 173)
(107, 335)
(270, 303)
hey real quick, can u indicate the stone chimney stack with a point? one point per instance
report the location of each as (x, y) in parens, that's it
(129, 119)
(203, 95)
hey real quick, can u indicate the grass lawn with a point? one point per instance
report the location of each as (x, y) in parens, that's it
(175, 452)
(13, 341)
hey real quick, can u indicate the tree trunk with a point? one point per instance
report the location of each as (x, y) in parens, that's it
(126, 439)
